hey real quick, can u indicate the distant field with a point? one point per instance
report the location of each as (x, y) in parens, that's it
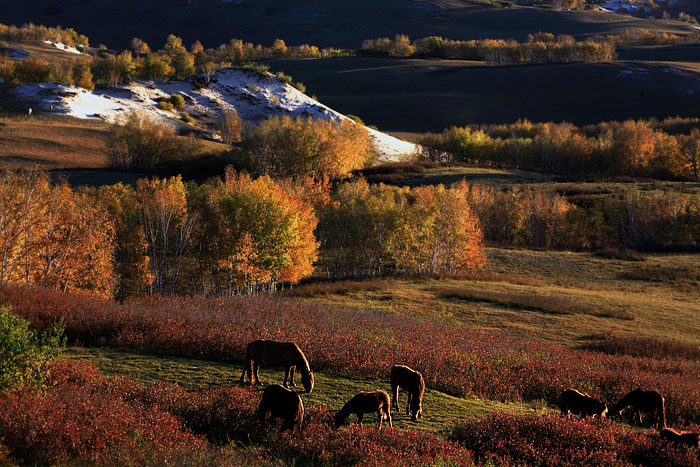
(335, 23)
(72, 148)
(429, 95)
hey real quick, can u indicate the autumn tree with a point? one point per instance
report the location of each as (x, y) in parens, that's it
(253, 234)
(137, 142)
(167, 226)
(285, 146)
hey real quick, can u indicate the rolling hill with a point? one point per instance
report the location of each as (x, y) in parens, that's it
(331, 23)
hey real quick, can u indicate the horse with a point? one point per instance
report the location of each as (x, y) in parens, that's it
(365, 402)
(577, 403)
(684, 437)
(650, 402)
(285, 355)
(402, 377)
(283, 403)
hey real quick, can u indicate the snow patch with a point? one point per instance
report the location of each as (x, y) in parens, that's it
(252, 95)
(64, 47)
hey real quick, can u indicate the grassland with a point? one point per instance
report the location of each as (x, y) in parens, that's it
(331, 390)
(75, 149)
(333, 23)
(429, 95)
(560, 297)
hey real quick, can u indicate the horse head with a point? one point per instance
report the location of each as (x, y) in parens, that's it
(307, 380)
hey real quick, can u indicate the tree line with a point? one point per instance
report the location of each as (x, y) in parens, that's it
(177, 61)
(539, 48)
(236, 235)
(629, 148)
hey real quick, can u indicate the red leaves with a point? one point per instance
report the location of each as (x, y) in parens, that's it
(555, 441)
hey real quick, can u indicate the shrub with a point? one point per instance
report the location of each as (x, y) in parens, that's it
(177, 101)
(185, 117)
(165, 105)
(137, 142)
(24, 354)
(553, 441)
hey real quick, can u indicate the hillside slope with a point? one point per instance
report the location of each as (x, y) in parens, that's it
(254, 96)
(331, 23)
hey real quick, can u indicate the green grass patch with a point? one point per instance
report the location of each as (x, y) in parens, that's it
(441, 411)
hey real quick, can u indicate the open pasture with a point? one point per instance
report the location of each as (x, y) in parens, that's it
(429, 95)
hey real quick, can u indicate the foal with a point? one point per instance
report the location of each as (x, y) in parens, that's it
(362, 403)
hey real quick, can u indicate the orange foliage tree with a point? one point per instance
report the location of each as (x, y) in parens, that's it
(253, 234)
(378, 229)
(53, 236)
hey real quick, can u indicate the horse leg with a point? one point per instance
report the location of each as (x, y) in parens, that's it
(388, 416)
(286, 375)
(360, 415)
(291, 376)
(381, 417)
(408, 404)
(395, 395)
(256, 367)
(247, 367)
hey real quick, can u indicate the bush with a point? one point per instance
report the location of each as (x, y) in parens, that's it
(137, 142)
(185, 117)
(24, 354)
(504, 439)
(177, 101)
(165, 105)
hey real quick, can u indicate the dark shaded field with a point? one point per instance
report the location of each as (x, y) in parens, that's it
(429, 95)
(336, 23)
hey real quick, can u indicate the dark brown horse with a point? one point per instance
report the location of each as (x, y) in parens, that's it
(649, 402)
(273, 354)
(362, 403)
(282, 403)
(402, 377)
(577, 403)
(684, 437)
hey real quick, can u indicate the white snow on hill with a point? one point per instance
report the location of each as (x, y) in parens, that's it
(64, 47)
(254, 96)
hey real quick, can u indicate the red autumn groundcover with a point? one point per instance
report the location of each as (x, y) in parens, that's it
(360, 343)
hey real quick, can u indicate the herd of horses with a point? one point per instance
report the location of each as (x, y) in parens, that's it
(280, 402)
(640, 402)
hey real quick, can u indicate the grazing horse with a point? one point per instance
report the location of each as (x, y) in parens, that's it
(282, 403)
(362, 403)
(402, 377)
(684, 437)
(650, 402)
(285, 355)
(581, 404)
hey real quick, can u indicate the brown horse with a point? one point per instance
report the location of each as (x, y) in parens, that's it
(282, 403)
(649, 402)
(402, 377)
(684, 437)
(581, 404)
(365, 402)
(285, 355)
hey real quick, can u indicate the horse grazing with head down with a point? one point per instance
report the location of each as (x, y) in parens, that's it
(649, 402)
(362, 403)
(411, 381)
(285, 355)
(577, 403)
(687, 438)
(282, 403)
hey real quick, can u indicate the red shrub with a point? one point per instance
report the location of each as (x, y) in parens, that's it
(361, 343)
(68, 422)
(555, 441)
